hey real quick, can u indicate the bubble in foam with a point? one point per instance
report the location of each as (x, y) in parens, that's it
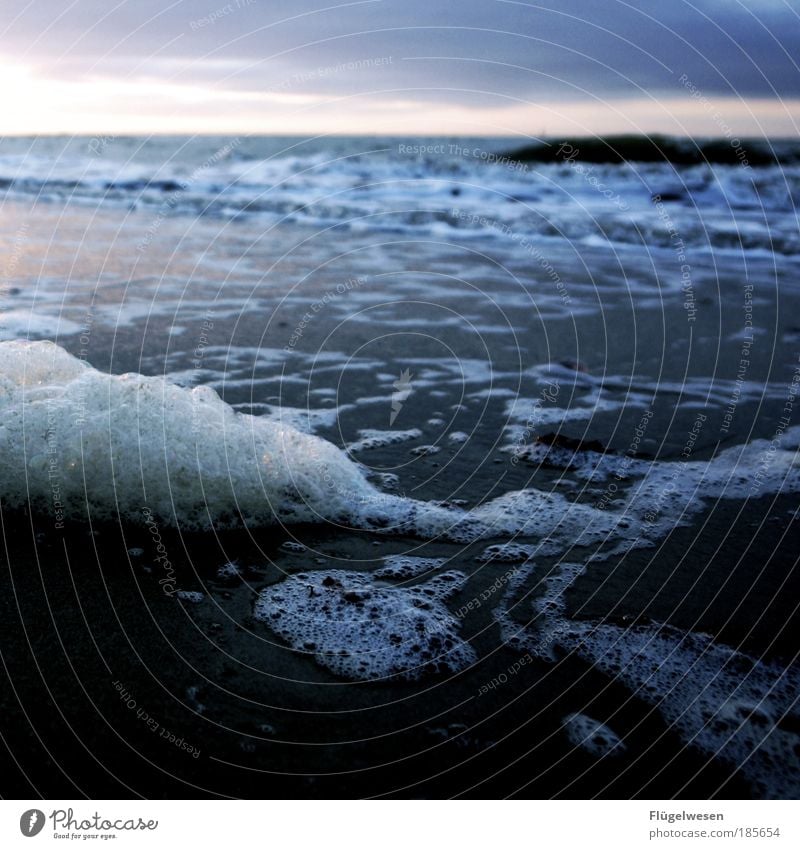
(506, 552)
(405, 566)
(363, 631)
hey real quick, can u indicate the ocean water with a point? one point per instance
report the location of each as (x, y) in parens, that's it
(502, 457)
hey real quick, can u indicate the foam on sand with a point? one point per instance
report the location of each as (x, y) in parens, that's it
(363, 631)
(140, 448)
(592, 736)
(727, 704)
(740, 709)
(120, 444)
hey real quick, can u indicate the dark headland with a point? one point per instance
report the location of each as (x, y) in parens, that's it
(657, 148)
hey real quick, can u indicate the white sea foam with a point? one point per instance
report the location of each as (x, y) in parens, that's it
(425, 450)
(371, 438)
(74, 438)
(457, 437)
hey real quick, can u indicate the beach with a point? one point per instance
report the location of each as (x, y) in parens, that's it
(565, 398)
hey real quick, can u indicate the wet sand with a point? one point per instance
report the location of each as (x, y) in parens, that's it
(83, 619)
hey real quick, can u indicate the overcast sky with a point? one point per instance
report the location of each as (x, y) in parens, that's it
(492, 67)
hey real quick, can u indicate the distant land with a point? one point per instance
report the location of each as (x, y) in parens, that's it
(678, 151)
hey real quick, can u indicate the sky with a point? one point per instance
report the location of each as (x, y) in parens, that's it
(414, 67)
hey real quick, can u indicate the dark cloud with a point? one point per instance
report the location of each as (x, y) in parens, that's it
(481, 52)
